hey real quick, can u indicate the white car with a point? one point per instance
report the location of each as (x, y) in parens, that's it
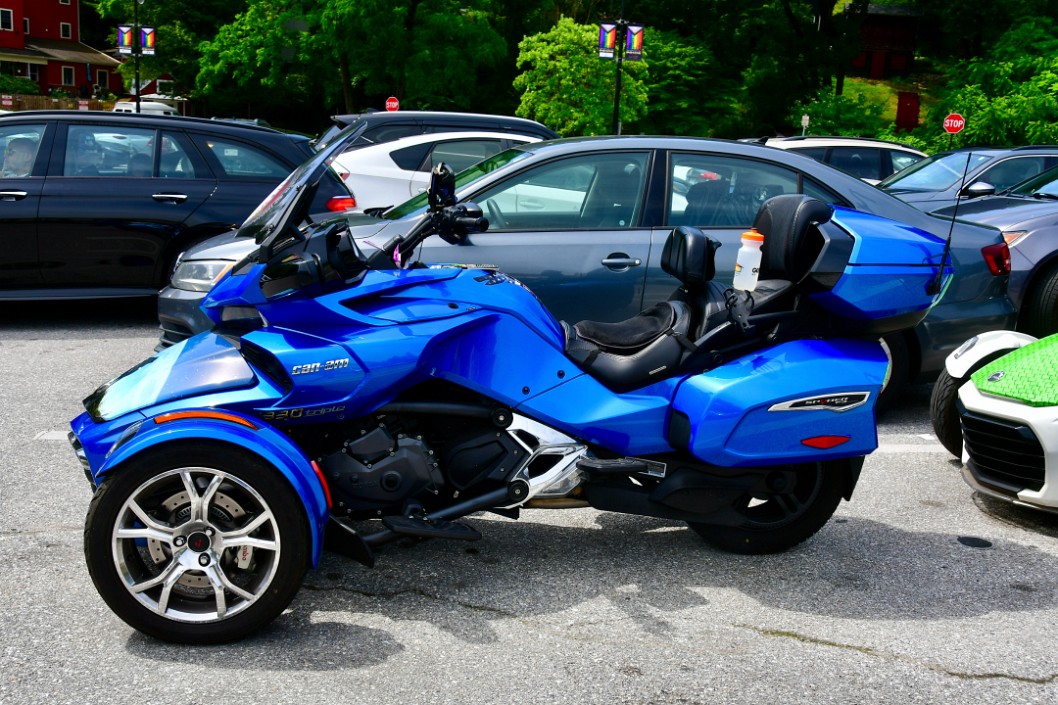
(870, 159)
(387, 174)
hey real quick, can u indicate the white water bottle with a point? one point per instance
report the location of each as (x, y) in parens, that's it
(747, 262)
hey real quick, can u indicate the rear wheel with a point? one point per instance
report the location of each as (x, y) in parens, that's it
(1039, 316)
(779, 521)
(196, 543)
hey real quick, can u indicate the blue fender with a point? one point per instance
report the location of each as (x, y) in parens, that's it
(247, 433)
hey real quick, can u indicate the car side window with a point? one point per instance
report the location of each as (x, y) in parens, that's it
(711, 190)
(1012, 171)
(19, 145)
(861, 162)
(241, 161)
(460, 154)
(588, 192)
(105, 150)
(902, 159)
(386, 133)
(175, 160)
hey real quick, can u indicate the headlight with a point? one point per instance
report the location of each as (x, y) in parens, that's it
(199, 275)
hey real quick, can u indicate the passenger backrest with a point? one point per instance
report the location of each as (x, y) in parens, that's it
(689, 256)
(791, 238)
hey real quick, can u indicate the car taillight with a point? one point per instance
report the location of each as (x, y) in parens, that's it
(998, 258)
(338, 204)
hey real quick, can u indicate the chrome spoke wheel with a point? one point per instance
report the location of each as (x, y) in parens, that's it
(196, 544)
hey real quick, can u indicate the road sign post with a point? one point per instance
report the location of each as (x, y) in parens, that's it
(953, 124)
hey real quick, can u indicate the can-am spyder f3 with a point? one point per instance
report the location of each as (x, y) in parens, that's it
(346, 391)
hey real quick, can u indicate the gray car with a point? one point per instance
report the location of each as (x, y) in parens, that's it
(1028, 217)
(582, 223)
(972, 172)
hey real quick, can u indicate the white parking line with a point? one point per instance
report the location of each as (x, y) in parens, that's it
(50, 436)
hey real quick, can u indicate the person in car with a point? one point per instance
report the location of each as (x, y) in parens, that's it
(18, 158)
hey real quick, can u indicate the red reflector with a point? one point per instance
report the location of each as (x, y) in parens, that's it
(998, 258)
(323, 483)
(203, 414)
(825, 442)
(338, 204)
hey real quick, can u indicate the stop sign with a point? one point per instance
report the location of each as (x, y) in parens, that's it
(954, 123)
(393, 104)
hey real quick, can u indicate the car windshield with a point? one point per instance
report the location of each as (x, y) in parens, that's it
(937, 173)
(463, 179)
(1044, 185)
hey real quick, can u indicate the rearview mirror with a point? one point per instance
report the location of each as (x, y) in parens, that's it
(442, 187)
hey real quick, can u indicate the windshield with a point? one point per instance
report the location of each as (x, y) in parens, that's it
(937, 173)
(268, 216)
(463, 179)
(341, 133)
(1043, 186)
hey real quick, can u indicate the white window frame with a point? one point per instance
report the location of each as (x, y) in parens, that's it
(7, 20)
(64, 2)
(65, 30)
(72, 74)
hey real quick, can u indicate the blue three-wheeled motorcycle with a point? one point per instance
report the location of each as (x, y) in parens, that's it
(349, 393)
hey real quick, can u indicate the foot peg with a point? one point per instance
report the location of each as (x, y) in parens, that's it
(617, 466)
(431, 529)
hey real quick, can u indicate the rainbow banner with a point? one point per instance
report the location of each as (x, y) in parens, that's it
(634, 43)
(607, 40)
(124, 39)
(147, 40)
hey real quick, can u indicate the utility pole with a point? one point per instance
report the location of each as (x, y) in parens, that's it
(137, 47)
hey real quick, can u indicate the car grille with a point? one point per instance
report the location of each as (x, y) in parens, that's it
(1003, 454)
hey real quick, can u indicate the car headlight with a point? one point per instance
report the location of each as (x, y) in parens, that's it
(199, 275)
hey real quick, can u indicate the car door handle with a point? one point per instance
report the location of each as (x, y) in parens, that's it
(13, 195)
(174, 197)
(620, 260)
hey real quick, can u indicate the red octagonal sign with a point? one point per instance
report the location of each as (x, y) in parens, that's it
(954, 123)
(393, 104)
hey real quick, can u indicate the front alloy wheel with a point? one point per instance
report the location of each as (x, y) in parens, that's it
(197, 543)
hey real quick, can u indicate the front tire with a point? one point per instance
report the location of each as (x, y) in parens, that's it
(1039, 315)
(772, 523)
(196, 543)
(943, 412)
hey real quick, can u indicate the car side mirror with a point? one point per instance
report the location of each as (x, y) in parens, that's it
(978, 189)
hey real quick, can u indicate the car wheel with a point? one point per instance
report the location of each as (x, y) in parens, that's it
(196, 542)
(1039, 315)
(779, 521)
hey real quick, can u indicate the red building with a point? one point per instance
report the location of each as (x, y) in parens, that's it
(41, 40)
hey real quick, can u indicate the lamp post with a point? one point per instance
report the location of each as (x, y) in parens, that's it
(137, 47)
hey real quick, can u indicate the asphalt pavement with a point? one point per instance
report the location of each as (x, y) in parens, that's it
(916, 592)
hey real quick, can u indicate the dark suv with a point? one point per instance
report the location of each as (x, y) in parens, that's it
(104, 202)
(374, 127)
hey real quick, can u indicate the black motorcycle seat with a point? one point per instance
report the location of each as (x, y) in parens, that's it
(656, 343)
(635, 352)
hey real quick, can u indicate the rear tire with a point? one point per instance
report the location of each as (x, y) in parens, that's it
(1039, 311)
(778, 522)
(196, 542)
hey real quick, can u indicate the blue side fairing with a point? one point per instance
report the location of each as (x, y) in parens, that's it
(200, 365)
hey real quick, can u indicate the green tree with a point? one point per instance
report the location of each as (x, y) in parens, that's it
(565, 85)
(687, 91)
(180, 26)
(1008, 97)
